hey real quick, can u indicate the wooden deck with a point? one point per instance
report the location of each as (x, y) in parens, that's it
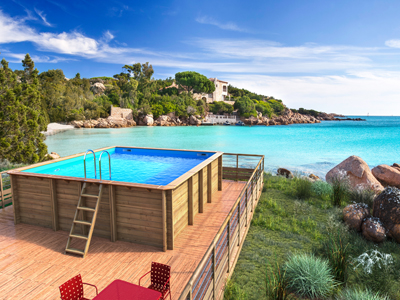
(32, 263)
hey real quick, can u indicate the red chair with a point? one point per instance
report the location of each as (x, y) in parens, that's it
(159, 276)
(73, 289)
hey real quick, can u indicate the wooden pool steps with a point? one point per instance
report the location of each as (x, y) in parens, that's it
(81, 210)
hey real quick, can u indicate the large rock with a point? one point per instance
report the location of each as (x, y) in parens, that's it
(285, 172)
(358, 172)
(53, 155)
(373, 230)
(148, 120)
(387, 209)
(387, 175)
(354, 214)
(194, 121)
(98, 88)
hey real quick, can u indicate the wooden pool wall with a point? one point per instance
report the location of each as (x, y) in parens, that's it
(139, 213)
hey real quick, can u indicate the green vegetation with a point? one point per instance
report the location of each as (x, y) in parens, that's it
(284, 226)
(22, 115)
(340, 187)
(309, 276)
(194, 82)
(303, 189)
(358, 294)
(303, 111)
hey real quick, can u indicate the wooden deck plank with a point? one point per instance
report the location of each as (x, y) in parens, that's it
(32, 263)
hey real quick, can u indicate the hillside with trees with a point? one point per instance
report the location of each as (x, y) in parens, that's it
(30, 100)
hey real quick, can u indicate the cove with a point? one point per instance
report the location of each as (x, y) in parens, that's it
(310, 148)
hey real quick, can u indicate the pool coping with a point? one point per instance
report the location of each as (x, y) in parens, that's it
(172, 185)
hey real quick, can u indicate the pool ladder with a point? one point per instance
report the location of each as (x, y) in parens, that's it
(94, 156)
(82, 209)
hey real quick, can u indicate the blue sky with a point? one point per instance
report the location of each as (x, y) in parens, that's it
(334, 56)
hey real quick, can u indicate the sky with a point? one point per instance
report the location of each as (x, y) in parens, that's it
(335, 56)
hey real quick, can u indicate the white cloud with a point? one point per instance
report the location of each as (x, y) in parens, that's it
(13, 30)
(43, 17)
(393, 43)
(225, 26)
(18, 57)
(376, 93)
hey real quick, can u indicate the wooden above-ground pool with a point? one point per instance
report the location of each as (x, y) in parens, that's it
(149, 196)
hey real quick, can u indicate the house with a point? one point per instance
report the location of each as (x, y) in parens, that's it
(220, 93)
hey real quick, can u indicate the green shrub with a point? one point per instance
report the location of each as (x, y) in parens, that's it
(358, 294)
(309, 276)
(303, 188)
(365, 196)
(275, 282)
(340, 190)
(336, 250)
(321, 188)
(234, 292)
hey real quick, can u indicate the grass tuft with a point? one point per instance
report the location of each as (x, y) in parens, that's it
(340, 190)
(309, 276)
(275, 282)
(303, 188)
(359, 294)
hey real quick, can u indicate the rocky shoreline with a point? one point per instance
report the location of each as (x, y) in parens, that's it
(288, 117)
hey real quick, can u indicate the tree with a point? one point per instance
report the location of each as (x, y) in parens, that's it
(21, 116)
(246, 107)
(277, 106)
(264, 108)
(194, 82)
(220, 107)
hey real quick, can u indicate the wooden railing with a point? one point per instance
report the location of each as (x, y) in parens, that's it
(216, 267)
(5, 190)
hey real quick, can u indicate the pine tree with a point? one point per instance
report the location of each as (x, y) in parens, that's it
(22, 117)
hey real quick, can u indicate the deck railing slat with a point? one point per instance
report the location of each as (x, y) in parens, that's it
(220, 258)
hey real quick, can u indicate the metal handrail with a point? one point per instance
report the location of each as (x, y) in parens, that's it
(109, 162)
(84, 163)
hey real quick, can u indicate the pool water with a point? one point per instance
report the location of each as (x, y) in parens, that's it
(148, 166)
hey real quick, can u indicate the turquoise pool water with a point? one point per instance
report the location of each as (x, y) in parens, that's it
(305, 147)
(158, 167)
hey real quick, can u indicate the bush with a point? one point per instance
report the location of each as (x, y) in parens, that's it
(340, 190)
(365, 196)
(335, 249)
(275, 282)
(358, 294)
(321, 188)
(309, 276)
(234, 292)
(303, 188)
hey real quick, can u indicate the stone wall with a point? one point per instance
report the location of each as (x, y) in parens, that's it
(124, 113)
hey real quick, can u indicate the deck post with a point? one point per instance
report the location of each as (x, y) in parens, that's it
(247, 208)
(209, 184)
(237, 167)
(190, 201)
(220, 173)
(214, 279)
(164, 219)
(239, 224)
(1, 190)
(229, 245)
(54, 207)
(113, 213)
(15, 199)
(201, 192)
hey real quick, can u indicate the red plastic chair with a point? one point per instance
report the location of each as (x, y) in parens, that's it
(73, 289)
(160, 276)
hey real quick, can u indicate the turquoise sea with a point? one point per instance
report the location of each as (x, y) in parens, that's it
(310, 148)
